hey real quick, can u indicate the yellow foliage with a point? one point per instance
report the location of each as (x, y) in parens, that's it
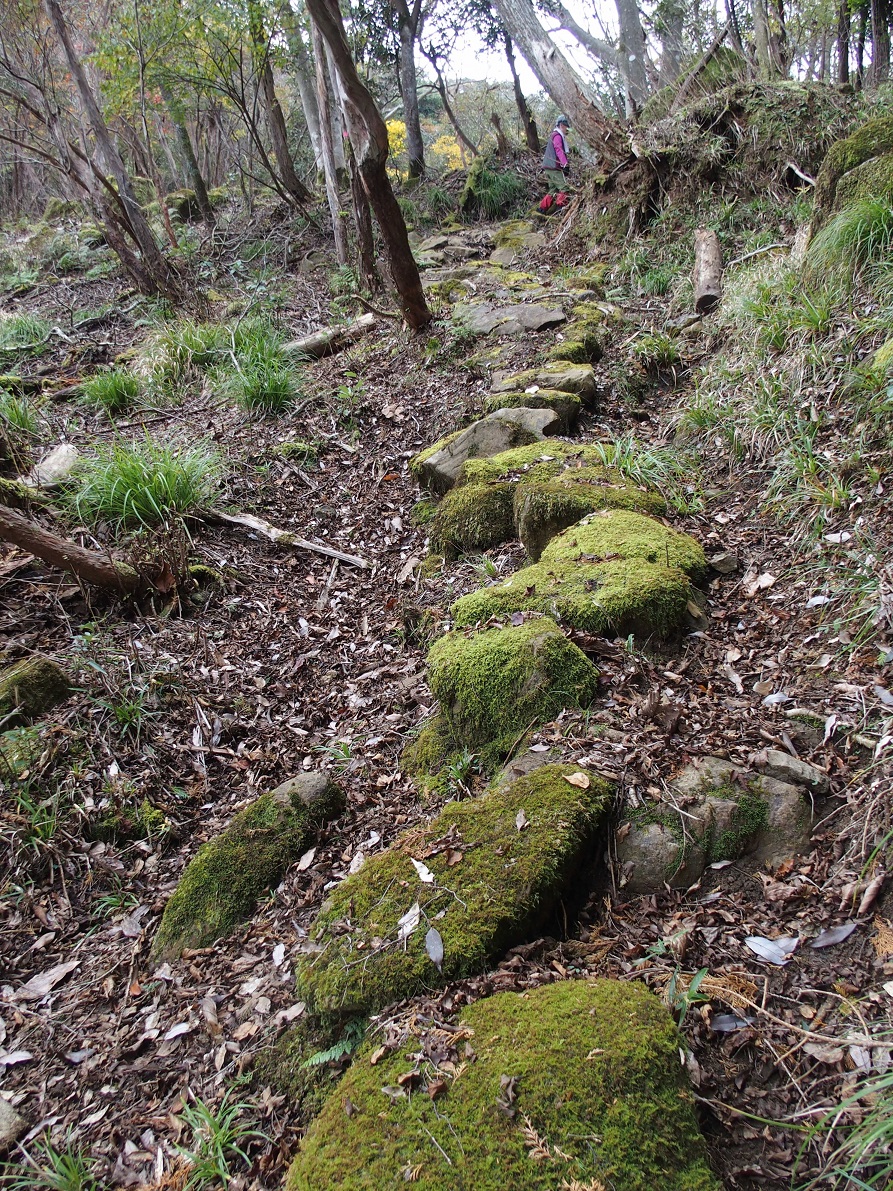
(396, 137)
(448, 147)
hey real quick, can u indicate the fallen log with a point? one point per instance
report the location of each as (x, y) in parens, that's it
(88, 565)
(284, 536)
(329, 340)
(707, 274)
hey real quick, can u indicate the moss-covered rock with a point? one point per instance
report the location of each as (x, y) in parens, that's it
(439, 467)
(473, 517)
(566, 405)
(538, 461)
(497, 683)
(871, 180)
(542, 509)
(30, 688)
(223, 881)
(873, 139)
(183, 205)
(563, 375)
(504, 885)
(598, 1099)
(582, 344)
(58, 209)
(613, 572)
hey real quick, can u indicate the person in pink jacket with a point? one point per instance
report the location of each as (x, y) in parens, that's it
(555, 158)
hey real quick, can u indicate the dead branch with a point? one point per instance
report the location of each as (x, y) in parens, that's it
(284, 536)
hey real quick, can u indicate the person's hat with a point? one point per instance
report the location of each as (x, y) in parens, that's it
(563, 120)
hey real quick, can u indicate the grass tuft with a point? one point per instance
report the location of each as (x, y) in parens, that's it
(16, 413)
(22, 335)
(857, 240)
(114, 391)
(145, 483)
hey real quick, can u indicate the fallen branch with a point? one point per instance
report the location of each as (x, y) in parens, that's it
(88, 565)
(330, 339)
(284, 536)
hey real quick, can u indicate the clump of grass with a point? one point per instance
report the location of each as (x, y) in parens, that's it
(218, 1139)
(184, 345)
(656, 352)
(114, 391)
(858, 239)
(864, 1156)
(255, 372)
(16, 413)
(146, 483)
(22, 335)
(663, 469)
(67, 1169)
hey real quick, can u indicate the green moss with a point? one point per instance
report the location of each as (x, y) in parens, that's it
(431, 566)
(205, 576)
(183, 205)
(566, 405)
(283, 1068)
(20, 748)
(615, 571)
(473, 517)
(597, 1079)
(512, 233)
(223, 881)
(873, 139)
(537, 461)
(425, 756)
(544, 508)
(60, 208)
(583, 344)
(871, 180)
(561, 374)
(300, 451)
(150, 820)
(16, 495)
(499, 682)
(505, 885)
(751, 815)
(423, 511)
(30, 688)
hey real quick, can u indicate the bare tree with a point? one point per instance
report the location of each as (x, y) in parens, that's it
(408, 25)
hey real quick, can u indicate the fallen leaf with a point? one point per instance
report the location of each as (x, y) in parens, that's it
(823, 1052)
(39, 986)
(377, 1055)
(882, 941)
(424, 872)
(182, 1027)
(436, 1087)
(734, 678)
(306, 860)
(278, 954)
(578, 779)
(834, 935)
(410, 920)
(9, 1058)
(817, 601)
(753, 582)
(871, 893)
(774, 951)
(727, 1023)
(836, 539)
(434, 947)
(521, 820)
(452, 856)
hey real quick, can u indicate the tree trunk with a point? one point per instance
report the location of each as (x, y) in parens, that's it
(707, 275)
(194, 178)
(562, 82)
(880, 42)
(440, 83)
(531, 133)
(305, 76)
(860, 46)
(602, 51)
(503, 148)
(328, 152)
(407, 27)
(157, 273)
(843, 42)
(672, 47)
(632, 56)
(369, 137)
(273, 112)
(363, 220)
(88, 565)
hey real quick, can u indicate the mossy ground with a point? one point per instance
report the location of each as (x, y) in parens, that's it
(501, 681)
(616, 571)
(506, 882)
(30, 688)
(597, 1082)
(223, 881)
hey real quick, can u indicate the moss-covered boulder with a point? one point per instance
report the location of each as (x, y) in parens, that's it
(473, 517)
(498, 881)
(30, 688)
(563, 375)
(439, 466)
(223, 881)
(542, 509)
(497, 683)
(537, 461)
(613, 572)
(871, 180)
(874, 139)
(183, 205)
(576, 1084)
(582, 343)
(566, 405)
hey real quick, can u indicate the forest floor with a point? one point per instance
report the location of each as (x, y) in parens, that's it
(296, 663)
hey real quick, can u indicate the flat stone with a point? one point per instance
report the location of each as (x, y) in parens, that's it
(786, 768)
(498, 432)
(724, 563)
(507, 255)
(433, 243)
(12, 1125)
(566, 377)
(508, 320)
(55, 467)
(704, 774)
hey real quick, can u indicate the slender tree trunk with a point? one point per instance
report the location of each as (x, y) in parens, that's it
(88, 565)
(562, 82)
(339, 229)
(443, 91)
(363, 220)
(671, 43)
(157, 273)
(187, 153)
(880, 42)
(369, 137)
(305, 76)
(531, 134)
(761, 37)
(843, 42)
(632, 55)
(860, 47)
(407, 28)
(272, 110)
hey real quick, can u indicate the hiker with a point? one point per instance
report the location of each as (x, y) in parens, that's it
(556, 164)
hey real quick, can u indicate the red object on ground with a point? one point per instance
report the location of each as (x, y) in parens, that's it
(561, 199)
(546, 204)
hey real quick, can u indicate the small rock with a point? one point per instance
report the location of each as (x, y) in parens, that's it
(703, 775)
(652, 856)
(725, 562)
(786, 768)
(54, 468)
(12, 1125)
(790, 822)
(498, 432)
(508, 320)
(433, 243)
(506, 256)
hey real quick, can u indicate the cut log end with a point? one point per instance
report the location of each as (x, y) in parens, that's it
(707, 273)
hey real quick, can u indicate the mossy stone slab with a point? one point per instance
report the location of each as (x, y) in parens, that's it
(566, 405)
(596, 1082)
(438, 466)
(504, 885)
(564, 375)
(473, 517)
(613, 572)
(873, 139)
(501, 681)
(31, 688)
(221, 884)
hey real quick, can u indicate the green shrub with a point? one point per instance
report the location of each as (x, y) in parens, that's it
(114, 391)
(492, 193)
(145, 483)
